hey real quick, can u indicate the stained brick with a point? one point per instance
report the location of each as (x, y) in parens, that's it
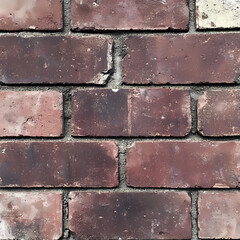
(182, 59)
(55, 59)
(31, 14)
(57, 164)
(183, 164)
(31, 215)
(219, 215)
(31, 113)
(217, 14)
(219, 113)
(128, 15)
(148, 215)
(111, 112)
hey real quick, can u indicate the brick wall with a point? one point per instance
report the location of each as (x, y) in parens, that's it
(119, 119)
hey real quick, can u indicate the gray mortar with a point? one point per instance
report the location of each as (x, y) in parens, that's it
(114, 80)
(194, 214)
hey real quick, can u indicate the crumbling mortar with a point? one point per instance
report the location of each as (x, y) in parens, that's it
(194, 214)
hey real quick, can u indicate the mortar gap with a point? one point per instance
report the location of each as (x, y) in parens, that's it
(194, 214)
(122, 164)
(192, 15)
(67, 16)
(67, 95)
(65, 230)
(116, 79)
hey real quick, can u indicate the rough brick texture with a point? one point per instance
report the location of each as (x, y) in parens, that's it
(31, 113)
(163, 215)
(183, 164)
(219, 215)
(126, 15)
(182, 59)
(218, 14)
(31, 215)
(120, 119)
(113, 112)
(219, 113)
(31, 14)
(57, 164)
(55, 59)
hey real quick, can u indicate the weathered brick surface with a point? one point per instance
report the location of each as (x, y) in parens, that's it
(31, 14)
(126, 15)
(31, 215)
(131, 112)
(163, 215)
(55, 59)
(57, 164)
(219, 113)
(219, 215)
(183, 164)
(31, 113)
(217, 14)
(182, 59)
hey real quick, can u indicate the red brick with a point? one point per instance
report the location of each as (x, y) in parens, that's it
(31, 215)
(219, 113)
(58, 164)
(219, 215)
(182, 59)
(183, 164)
(110, 112)
(31, 113)
(128, 15)
(31, 14)
(55, 59)
(135, 215)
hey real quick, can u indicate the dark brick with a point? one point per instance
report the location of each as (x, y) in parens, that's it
(219, 113)
(31, 113)
(54, 59)
(182, 59)
(31, 14)
(219, 216)
(146, 215)
(57, 164)
(129, 15)
(31, 215)
(110, 112)
(183, 164)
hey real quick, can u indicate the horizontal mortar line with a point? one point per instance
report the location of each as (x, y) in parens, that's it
(191, 85)
(63, 87)
(196, 137)
(119, 33)
(155, 32)
(71, 139)
(126, 189)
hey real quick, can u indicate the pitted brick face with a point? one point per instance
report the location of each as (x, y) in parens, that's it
(183, 164)
(219, 113)
(58, 164)
(182, 59)
(219, 215)
(31, 15)
(31, 113)
(55, 59)
(146, 215)
(31, 215)
(129, 14)
(131, 112)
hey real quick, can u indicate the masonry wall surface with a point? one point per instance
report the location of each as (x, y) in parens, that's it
(119, 119)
